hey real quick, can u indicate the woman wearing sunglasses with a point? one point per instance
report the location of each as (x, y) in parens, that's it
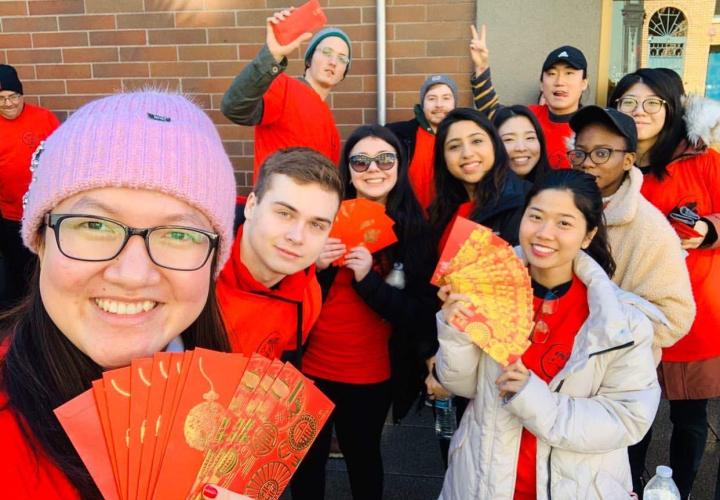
(555, 423)
(682, 179)
(130, 236)
(362, 352)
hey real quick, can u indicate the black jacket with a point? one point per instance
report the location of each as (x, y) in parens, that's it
(407, 130)
(503, 216)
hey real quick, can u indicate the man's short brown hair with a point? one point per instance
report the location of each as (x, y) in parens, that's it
(304, 166)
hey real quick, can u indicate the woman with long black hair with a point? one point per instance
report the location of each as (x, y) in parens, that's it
(363, 351)
(524, 141)
(555, 423)
(682, 178)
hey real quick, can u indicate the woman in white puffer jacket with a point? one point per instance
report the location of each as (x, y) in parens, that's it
(556, 423)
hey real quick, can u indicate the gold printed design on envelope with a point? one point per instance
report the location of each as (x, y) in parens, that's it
(302, 432)
(264, 439)
(371, 235)
(269, 481)
(203, 418)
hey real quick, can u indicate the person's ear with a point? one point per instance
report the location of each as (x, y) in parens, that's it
(629, 161)
(588, 239)
(250, 206)
(585, 83)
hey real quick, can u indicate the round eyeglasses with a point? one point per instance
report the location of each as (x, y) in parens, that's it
(10, 99)
(597, 155)
(651, 105)
(96, 239)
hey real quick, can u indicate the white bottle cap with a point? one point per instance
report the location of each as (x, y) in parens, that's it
(663, 471)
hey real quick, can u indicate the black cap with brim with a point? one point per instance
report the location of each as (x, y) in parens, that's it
(612, 118)
(568, 55)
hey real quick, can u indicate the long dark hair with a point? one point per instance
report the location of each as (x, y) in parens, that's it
(504, 114)
(43, 369)
(450, 192)
(588, 200)
(402, 206)
(674, 130)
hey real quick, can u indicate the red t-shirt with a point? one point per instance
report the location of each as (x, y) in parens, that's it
(546, 360)
(556, 136)
(20, 139)
(422, 170)
(294, 115)
(349, 342)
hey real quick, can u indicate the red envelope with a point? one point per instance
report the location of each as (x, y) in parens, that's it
(363, 222)
(117, 392)
(158, 383)
(210, 385)
(308, 18)
(80, 419)
(140, 382)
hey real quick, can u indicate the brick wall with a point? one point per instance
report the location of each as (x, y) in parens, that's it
(69, 52)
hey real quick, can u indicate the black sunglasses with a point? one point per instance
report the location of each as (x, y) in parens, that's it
(362, 162)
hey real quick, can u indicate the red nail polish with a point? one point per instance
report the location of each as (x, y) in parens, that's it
(210, 491)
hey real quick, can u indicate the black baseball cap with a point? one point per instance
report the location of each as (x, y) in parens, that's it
(612, 118)
(567, 54)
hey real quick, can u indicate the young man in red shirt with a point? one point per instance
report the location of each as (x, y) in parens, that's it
(22, 128)
(562, 82)
(438, 96)
(268, 293)
(289, 112)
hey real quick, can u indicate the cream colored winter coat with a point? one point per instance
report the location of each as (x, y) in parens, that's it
(602, 401)
(650, 262)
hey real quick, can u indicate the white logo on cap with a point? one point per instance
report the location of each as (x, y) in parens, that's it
(563, 54)
(436, 78)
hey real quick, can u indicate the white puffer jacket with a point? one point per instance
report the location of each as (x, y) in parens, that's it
(602, 401)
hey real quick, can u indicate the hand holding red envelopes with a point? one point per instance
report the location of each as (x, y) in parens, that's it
(166, 426)
(481, 265)
(308, 18)
(363, 222)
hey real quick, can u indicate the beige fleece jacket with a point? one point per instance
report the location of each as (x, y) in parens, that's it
(650, 262)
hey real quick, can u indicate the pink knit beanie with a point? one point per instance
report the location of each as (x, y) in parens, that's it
(150, 140)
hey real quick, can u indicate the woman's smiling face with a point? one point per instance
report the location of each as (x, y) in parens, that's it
(127, 307)
(469, 152)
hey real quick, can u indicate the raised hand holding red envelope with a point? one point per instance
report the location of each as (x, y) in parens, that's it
(308, 18)
(363, 222)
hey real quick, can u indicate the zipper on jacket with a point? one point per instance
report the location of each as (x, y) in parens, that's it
(623, 346)
(549, 493)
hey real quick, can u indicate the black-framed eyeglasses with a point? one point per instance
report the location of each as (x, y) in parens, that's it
(651, 105)
(12, 98)
(361, 162)
(597, 155)
(96, 239)
(541, 330)
(330, 53)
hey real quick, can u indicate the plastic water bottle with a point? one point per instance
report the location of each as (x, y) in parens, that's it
(661, 486)
(445, 418)
(396, 278)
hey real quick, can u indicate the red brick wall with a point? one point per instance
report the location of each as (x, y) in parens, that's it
(71, 51)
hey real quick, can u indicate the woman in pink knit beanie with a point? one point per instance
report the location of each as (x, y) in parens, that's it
(146, 164)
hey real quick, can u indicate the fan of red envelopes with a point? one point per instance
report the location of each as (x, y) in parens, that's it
(481, 265)
(165, 426)
(363, 222)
